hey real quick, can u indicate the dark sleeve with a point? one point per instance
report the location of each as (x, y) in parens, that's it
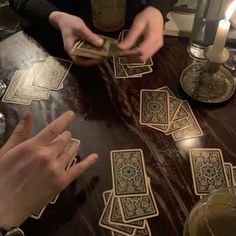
(163, 5)
(33, 10)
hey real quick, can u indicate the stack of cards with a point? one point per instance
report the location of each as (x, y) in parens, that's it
(109, 48)
(209, 171)
(161, 110)
(130, 203)
(126, 67)
(36, 82)
(72, 162)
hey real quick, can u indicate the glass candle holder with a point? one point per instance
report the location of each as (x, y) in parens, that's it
(206, 20)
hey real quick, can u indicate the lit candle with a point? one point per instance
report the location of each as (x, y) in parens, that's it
(218, 46)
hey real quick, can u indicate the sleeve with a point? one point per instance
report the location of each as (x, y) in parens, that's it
(33, 10)
(164, 6)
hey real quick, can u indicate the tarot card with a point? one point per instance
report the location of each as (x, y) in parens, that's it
(130, 61)
(89, 54)
(178, 125)
(174, 105)
(104, 221)
(162, 128)
(9, 95)
(138, 207)
(119, 70)
(37, 215)
(194, 130)
(139, 232)
(234, 175)
(154, 107)
(137, 71)
(108, 48)
(128, 172)
(165, 88)
(115, 216)
(148, 62)
(106, 195)
(180, 114)
(229, 174)
(144, 232)
(208, 171)
(54, 200)
(53, 73)
(28, 90)
(37, 66)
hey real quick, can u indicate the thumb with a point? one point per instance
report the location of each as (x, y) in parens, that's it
(20, 134)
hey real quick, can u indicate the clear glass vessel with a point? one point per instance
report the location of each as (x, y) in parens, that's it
(206, 20)
(213, 215)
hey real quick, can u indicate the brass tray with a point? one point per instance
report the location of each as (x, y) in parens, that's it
(207, 88)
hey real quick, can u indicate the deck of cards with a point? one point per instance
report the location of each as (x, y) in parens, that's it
(130, 202)
(37, 215)
(36, 82)
(209, 171)
(161, 110)
(109, 48)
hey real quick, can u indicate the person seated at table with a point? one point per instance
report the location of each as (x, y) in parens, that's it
(148, 22)
(33, 171)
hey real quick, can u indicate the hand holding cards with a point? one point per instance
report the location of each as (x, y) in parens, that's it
(109, 48)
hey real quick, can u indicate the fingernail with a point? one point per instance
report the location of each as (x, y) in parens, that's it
(26, 115)
(99, 42)
(95, 156)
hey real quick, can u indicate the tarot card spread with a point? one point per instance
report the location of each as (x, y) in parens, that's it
(36, 82)
(168, 114)
(131, 202)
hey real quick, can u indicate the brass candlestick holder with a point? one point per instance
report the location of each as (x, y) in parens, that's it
(208, 81)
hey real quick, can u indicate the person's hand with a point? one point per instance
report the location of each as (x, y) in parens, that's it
(33, 171)
(73, 29)
(149, 24)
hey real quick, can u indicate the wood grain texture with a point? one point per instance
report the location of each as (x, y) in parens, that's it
(107, 114)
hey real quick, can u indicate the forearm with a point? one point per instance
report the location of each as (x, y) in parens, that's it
(164, 6)
(33, 10)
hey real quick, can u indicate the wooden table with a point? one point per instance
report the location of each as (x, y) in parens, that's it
(107, 114)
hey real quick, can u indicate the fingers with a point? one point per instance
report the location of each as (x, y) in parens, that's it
(78, 169)
(88, 35)
(55, 128)
(68, 154)
(20, 134)
(59, 144)
(146, 49)
(132, 37)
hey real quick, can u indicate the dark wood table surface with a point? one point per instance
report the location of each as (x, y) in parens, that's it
(107, 114)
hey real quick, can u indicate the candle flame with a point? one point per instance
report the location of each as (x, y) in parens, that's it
(230, 10)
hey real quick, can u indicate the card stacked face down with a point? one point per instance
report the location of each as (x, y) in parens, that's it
(209, 171)
(161, 110)
(127, 67)
(36, 82)
(37, 215)
(130, 202)
(124, 65)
